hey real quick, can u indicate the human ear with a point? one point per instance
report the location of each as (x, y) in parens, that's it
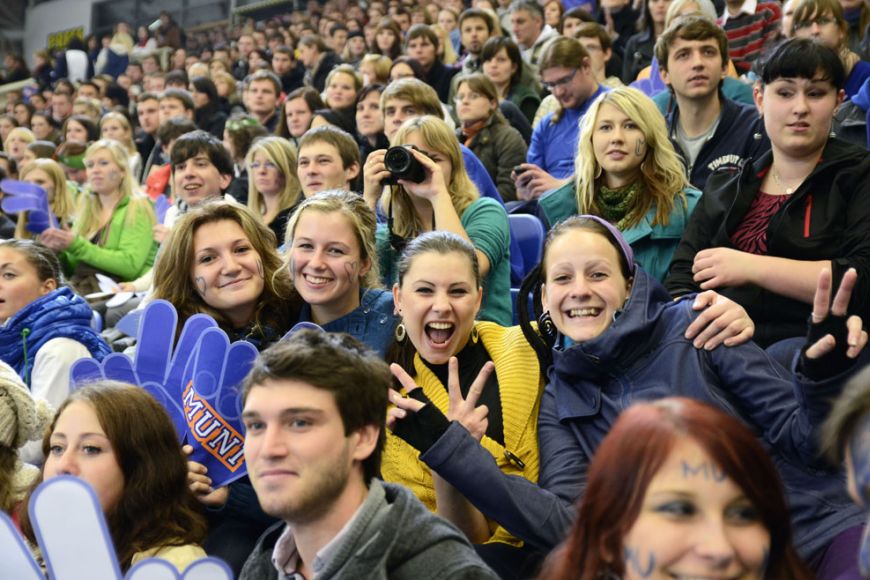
(367, 439)
(49, 285)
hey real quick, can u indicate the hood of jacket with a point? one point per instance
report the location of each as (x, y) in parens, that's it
(633, 333)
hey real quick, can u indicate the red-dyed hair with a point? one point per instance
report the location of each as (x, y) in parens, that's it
(637, 446)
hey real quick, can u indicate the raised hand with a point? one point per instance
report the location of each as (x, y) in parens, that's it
(465, 410)
(856, 337)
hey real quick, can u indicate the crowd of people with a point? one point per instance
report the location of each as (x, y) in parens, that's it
(646, 394)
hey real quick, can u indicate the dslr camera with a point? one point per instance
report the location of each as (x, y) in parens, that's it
(402, 164)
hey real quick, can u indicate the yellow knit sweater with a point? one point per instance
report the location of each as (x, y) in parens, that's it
(520, 387)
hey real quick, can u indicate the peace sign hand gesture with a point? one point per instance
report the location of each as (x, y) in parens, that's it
(834, 341)
(465, 411)
(420, 423)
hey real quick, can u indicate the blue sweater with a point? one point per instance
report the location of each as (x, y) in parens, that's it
(554, 145)
(644, 356)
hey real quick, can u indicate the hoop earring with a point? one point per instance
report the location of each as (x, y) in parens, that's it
(547, 326)
(400, 333)
(475, 334)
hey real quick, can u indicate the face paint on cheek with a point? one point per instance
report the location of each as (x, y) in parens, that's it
(260, 269)
(640, 148)
(200, 285)
(643, 569)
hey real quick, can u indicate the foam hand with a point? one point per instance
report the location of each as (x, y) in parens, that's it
(22, 196)
(75, 542)
(156, 367)
(212, 405)
(161, 206)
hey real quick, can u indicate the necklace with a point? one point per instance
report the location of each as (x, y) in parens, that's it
(779, 182)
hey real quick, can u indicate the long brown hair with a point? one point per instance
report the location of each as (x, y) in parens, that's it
(172, 272)
(157, 508)
(625, 463)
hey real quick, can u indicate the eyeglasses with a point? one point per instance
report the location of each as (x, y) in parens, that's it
(561, 82)
(267, 164)
(819, 20)
(472, 96)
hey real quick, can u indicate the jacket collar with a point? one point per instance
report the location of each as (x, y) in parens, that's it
(579, 370)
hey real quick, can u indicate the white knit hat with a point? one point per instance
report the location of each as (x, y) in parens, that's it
(22, 418)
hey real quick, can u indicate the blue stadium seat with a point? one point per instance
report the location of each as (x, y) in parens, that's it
(529, 233)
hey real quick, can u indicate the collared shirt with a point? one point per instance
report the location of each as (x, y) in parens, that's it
(748, 7)
(285, 556)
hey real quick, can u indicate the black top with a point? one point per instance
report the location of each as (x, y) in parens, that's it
(471, 360)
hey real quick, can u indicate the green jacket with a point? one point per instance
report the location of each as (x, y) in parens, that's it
(127, 250)
(653, 245)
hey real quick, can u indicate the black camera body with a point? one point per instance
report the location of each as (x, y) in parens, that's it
(402, 164)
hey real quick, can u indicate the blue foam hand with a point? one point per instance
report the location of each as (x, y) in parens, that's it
(75, 542)
(38, 221)
(157, 367)
(161, 206)
(212, 406)
(22, 196)
(301, 326)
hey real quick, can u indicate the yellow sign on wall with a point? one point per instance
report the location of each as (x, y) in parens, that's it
(59, 40)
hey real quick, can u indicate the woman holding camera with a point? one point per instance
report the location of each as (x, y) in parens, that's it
(435, 193)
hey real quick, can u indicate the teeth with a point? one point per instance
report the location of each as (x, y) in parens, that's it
(441, 325)
(575, 312)
(317, 279)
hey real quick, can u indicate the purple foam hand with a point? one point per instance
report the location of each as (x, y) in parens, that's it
(212, 405)
(75, 543)
(157, 367)
(161, 206)
(22, 196)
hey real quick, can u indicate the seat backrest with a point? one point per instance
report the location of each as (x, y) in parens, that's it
(529, 233)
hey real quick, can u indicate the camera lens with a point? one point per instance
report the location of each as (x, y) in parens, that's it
(397, 160)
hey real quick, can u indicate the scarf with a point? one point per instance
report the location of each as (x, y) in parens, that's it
(614, 204)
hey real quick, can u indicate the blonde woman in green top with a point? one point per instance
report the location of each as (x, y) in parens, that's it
(112, 234)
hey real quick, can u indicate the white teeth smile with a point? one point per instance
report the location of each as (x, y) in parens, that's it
(317, 279)
(578, 312)
(441, 325)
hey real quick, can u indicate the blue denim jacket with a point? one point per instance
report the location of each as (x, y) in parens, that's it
(372, 322)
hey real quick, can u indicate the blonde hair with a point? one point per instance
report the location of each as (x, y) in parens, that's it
(20, 132)
(348, 70)
(438, 137)
(279, 152)
(61, 204)
(129, 144)
(173, 271)
(359, 216)
(90, 206)
(381, 63)
(444, 42)
(662, 174)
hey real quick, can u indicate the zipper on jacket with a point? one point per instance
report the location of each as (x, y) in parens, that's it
(807, 215)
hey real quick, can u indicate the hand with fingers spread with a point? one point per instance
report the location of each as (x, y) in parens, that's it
(833, 341)
(465, 410)
(420, 423)
(721, 321)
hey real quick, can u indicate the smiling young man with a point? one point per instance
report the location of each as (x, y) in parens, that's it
(710, 131)
(328, 158)
(314, 414)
